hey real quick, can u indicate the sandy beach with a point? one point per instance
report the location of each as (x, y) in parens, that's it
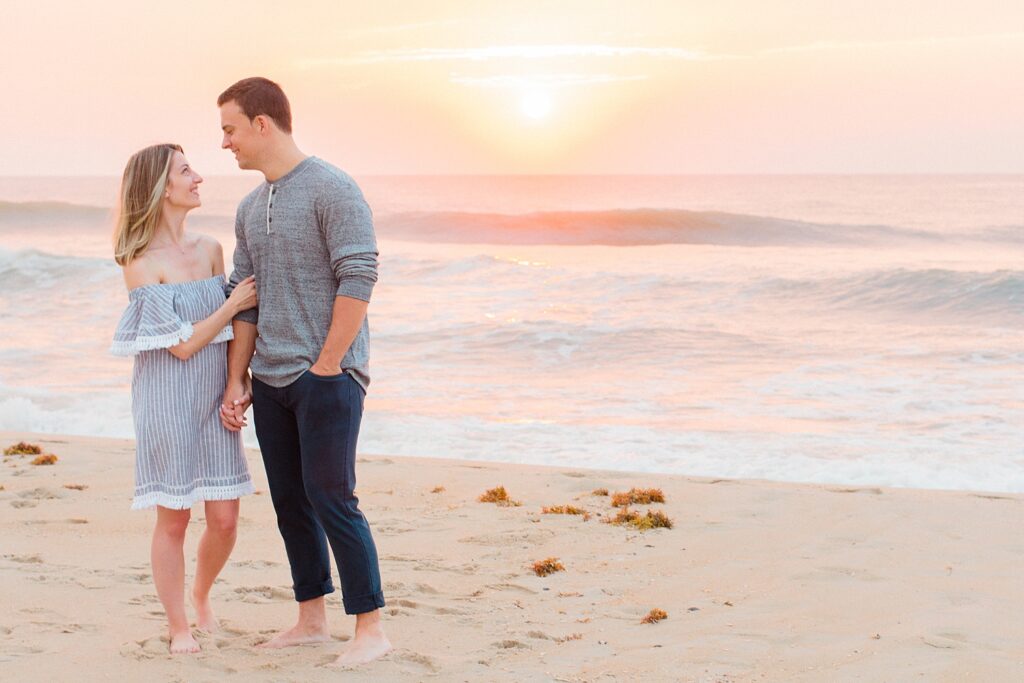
(760, 581)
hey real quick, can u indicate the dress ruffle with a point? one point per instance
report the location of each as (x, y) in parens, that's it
(151, 322)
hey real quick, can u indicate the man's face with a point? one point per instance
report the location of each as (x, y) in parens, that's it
(241, 135)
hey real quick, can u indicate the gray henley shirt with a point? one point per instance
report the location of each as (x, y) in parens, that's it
(308, 238)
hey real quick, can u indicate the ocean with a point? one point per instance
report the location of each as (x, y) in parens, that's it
(856, 330)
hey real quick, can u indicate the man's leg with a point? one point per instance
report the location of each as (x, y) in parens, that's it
(329, 414)
(304, 540)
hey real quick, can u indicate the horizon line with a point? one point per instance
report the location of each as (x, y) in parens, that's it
(586, 175)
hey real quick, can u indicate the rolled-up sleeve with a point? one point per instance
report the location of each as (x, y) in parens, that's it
(242, 268)
(347, 223)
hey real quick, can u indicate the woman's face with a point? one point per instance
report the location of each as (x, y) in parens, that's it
(182, 184)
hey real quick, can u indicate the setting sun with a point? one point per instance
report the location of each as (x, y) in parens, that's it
(536, 105)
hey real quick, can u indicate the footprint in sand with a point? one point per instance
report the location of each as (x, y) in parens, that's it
(64, 627)
(23, 503)
(256, 564)
(24, 559)
(41, 612)
(135, 577)
(263, 594)
(429, 609)
(41, 494)
(414, 661)
(504, 539)
(73, 520)
(150, 648)
(850, 572)
(145, 599)
(9, 652)
(945, 641)
(510, 587)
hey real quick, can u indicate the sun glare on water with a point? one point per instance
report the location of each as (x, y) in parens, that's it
(536, 105)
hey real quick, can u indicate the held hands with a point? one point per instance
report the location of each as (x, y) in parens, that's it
(237, 397)
(243, 296)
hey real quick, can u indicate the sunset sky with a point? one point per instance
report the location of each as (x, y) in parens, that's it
(771, 86)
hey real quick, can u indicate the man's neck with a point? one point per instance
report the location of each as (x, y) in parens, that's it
(282, 162)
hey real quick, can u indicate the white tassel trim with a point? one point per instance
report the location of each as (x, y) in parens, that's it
(163, 341)
(200, 493)
(134, 346)
(225, 335)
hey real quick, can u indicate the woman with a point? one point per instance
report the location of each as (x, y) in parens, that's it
(176, 324)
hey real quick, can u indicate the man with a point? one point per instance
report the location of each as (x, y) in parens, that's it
(307, 235)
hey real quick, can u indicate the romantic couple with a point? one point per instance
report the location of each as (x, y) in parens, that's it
(294, 312)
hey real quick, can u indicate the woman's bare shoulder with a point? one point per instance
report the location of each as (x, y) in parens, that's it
(141, 270)
(213, 249)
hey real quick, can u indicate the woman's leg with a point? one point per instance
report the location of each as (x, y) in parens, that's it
(168, 559)
(214, 549)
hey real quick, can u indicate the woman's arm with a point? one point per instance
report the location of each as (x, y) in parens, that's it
(144, 271)
(203, 332)
(242, 297)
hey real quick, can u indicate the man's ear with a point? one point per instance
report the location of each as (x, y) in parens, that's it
(262, 124)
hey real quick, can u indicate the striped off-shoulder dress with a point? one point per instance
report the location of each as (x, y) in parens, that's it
(183, 452)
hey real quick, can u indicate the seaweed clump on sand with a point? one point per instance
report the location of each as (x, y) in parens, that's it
(437, 489)
(565, 510)
(498, 496)
(23, 448)
(599, 492)
(654, 616)
(548, 566)
(48, 459)
(638, 497)
(652, 520)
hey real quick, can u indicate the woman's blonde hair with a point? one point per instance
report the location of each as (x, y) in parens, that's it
(142, 194)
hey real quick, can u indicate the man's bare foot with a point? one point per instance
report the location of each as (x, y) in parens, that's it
(297, 635)
(183, 643)
(365, 647)
(205, 619)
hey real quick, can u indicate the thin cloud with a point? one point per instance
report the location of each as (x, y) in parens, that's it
(480, 54)
(820, 46)
(541, 80)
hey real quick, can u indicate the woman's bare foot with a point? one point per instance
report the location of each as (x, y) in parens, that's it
(365, 648)
(205, 619)
(297, 635)
(183, 643)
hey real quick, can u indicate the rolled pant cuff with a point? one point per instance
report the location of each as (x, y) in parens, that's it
(363, 603)
(312, 591)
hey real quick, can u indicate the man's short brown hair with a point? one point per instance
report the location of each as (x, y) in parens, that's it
(256, 96)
